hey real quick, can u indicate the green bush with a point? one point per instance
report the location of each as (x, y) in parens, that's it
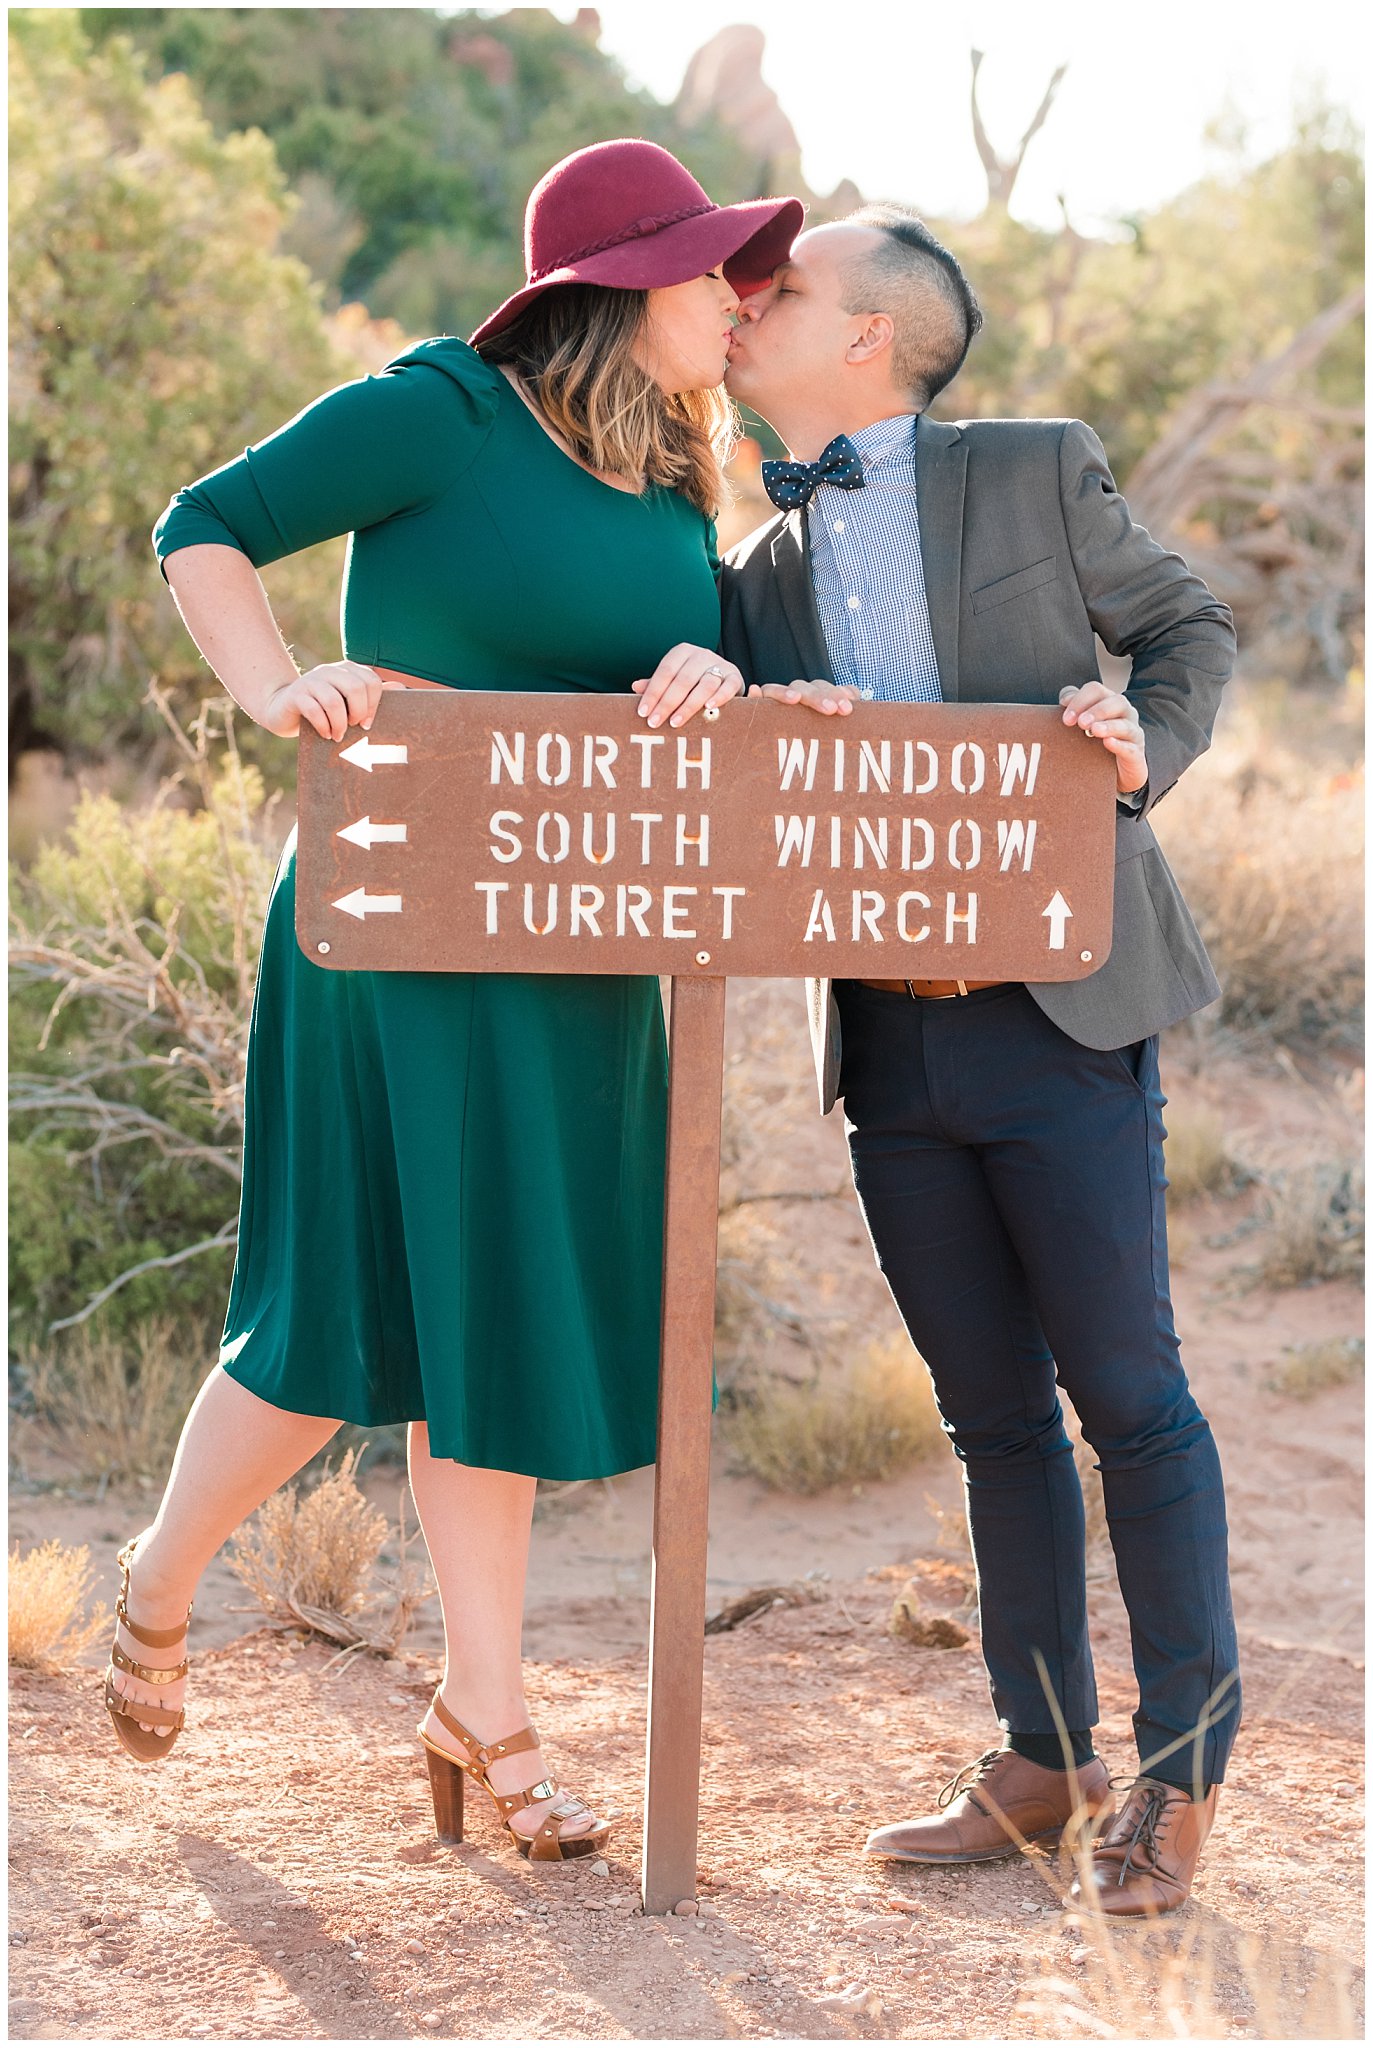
(155, 328)
(135, 941)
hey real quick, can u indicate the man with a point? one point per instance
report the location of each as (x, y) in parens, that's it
(1007, 1139)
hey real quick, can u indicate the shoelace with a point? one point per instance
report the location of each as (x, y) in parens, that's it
(1145, 1829)
(970, 1775)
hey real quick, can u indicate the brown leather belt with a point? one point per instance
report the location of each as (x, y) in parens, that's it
(930, 991)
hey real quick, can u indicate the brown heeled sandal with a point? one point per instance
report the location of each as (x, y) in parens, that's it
(446, 1774)
(146, 1744)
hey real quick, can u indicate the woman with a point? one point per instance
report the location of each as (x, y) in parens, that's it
(453, 1184)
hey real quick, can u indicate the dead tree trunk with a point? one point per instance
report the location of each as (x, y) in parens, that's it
(1002, 172)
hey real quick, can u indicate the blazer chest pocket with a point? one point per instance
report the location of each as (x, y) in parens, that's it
(1015, 585)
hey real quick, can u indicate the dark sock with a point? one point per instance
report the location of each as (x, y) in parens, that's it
(1047, 1750)
(1170, 1775)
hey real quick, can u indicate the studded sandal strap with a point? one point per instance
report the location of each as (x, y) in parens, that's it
(511, 1802)
(155, 1638)
(546, 1845)
(153, 1674)
(163, 1719)
(484, 1753)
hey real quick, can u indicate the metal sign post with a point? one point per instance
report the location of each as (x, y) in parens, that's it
(489, 832)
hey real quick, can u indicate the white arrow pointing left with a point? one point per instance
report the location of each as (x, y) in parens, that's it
(1058, 913)
(365, 833)
(359, 904)
(368, 754)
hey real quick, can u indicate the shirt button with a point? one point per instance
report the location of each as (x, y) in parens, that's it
(839, 526)
(855, 604)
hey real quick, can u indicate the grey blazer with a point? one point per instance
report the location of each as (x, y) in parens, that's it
(1028, 551)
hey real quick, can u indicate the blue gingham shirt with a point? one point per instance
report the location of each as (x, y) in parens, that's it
(868, 577)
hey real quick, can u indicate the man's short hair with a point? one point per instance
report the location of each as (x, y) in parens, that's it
(920, 284)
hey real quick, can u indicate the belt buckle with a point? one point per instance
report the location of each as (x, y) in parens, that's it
(961, 988)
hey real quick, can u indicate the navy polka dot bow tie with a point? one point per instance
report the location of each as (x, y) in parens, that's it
(792, 484)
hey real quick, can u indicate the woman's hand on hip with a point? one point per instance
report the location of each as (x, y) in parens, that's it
(687, 680)
(331, 697)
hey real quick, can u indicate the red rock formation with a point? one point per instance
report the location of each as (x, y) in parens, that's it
(724, 81)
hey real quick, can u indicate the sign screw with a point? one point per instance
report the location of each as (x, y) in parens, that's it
(323, 946)
(711, 711)
(1084, 956)
(703, 959)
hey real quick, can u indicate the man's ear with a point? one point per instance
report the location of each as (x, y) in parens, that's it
(875, 337)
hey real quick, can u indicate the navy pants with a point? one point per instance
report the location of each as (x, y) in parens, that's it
(1012, 1182)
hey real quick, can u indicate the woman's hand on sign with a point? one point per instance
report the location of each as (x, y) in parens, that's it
(687, 680)
(331, 697)
(1107, 716)
(830, 699)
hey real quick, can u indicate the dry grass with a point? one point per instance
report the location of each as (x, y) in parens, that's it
(910, 1623)
(951, 1528)
(1313, 1223)
(1100, 1556)
(1307, 1369)
(864, 1422)
(47, 1593)
(115, 1412)
(1193, 1978)
(308, 1561)
(1197, 1155)
(1268, 849)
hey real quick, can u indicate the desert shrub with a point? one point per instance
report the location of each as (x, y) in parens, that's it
(47, 1594)
(1314, 1226)
(1197, 1154)
(134, 947)
(155, 328)
(1307, 1369)
(113, 1405)
(1268, 853)
(308, 1560)
(864, 1422)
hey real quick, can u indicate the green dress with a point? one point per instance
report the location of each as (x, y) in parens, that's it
(453, 1183)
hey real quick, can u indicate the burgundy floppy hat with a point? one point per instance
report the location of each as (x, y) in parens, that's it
(627, 213)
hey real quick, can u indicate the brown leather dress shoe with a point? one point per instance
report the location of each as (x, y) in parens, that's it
(1145, 1862)
(997, 1806)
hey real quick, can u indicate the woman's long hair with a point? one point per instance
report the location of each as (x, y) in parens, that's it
(573, 346)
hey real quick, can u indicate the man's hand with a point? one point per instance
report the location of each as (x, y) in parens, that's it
(687, 680)
(1107, 716)
(817, 695)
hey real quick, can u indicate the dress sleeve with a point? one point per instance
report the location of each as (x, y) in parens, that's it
(369, 450)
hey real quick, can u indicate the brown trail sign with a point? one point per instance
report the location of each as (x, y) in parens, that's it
(490, 832)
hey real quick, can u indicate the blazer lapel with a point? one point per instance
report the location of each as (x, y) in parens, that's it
(796, 598)
(941, 464)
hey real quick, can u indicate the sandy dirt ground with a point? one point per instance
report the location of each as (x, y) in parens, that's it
(278, 1876)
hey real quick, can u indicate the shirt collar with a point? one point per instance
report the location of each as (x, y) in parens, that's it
(885, 438)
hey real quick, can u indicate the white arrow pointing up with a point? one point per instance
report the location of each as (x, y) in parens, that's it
(368, 754)
(365, 833)
(1058, 913)
(359, 904)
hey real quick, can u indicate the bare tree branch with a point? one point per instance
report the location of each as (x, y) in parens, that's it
(226, 1234)
(1162, 486)
(1002, 172)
